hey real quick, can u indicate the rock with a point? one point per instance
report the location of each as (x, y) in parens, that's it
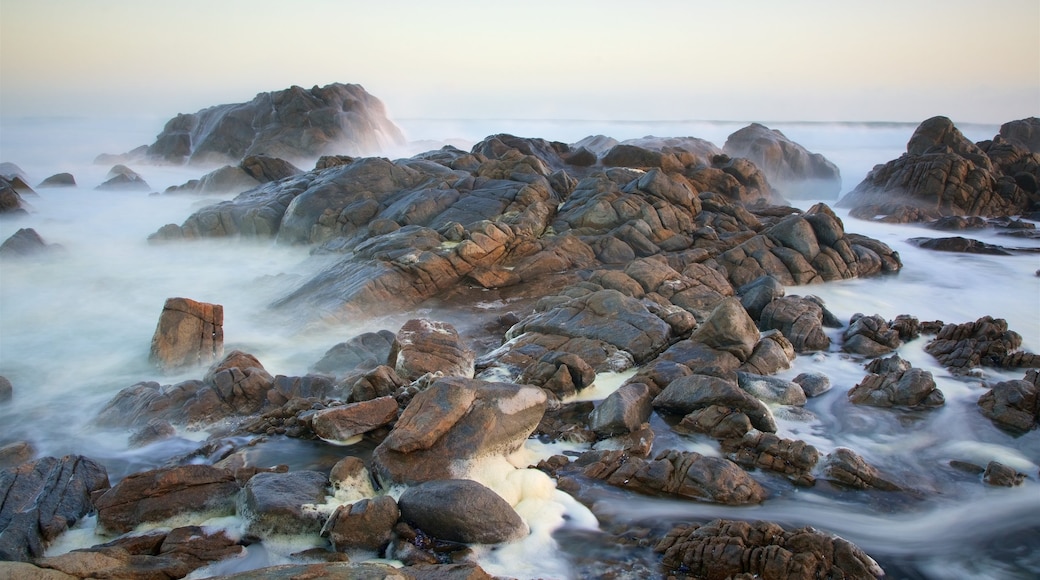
(771, 389)
(365, 351)
(158, 494)
(893, 383)
(606, 315)
(340, 424)
(791, 457)
(296, 124)
(755, 295)
(282, 503)
(11, 202)
(737, 549)
(1023, 132)
(6, 390)
(869, 336)
(623, 411)
(122, 178)
(26, 571)
(772, 354)
(845, 467)
(717, 421)
(453, 422)
(188, 334)
(42, 499)
(424, 346)
(1013, 405)
(800, 320)
(730, 329)
(691, 393)
(998, 474)
(461, 510)
(680, 473)
(985, 342)
(58, 180)
(941, 174)
(380, 382)
(14, 454)
(960, 245)
(813, 384)
(154, 430)
(24, 243)
(561, 373)
(156, 554)
(363, 525)
(788, 166)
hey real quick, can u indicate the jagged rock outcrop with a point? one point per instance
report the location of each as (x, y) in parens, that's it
(986, 342)
(679, 473)
(734, 549)
(41, 499)
(893, 382)
(788, 166)
(295, 124)
(1013, 405)
(942, 173)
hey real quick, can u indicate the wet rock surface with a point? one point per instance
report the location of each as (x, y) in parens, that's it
(893, 382)
(731, 549)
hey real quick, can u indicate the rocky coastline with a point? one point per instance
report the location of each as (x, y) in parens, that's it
(667, 263)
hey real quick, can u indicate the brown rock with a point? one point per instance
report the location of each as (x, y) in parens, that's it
(844, 466)
(342, 423)
(366, 524)
(1013, 405)
(425, 346)
(189, 334)
(155, 495)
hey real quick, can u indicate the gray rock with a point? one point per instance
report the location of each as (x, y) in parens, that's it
(25, 242)
(893, 383)
(788, 166)
(623, 411)
(158, 494)
(275, 503)
(58, 180)
(6, 390)
(363, 525)
(1013, 405)
(813, 384)
(870, 336)
(846, 467)
(998, 474)
(461, 510)
(367, 350)
(690, 393)
(42, 499)
(771, 389)
(800, 320)
(730, 329)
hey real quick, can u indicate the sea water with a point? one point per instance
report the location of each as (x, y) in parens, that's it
(76, 325)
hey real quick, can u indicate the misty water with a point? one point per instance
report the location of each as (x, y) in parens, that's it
(76, 326)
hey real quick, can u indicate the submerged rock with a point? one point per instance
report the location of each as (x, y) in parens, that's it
(847, 468)
(734, 549)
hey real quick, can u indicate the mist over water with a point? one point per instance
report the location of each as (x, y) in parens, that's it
(76, 326)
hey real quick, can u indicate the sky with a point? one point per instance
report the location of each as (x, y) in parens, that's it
(795, 60)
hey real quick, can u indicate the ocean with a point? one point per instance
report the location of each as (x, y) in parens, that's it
(76, 326)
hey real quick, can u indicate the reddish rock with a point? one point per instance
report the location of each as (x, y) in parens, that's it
(189, 334)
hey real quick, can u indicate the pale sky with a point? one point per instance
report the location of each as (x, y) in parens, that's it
(817, 60)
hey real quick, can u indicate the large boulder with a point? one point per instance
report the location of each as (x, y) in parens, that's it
(296, 124)
(188, 334)
(366, 524)
(454, 422)
(943, 173)
(788, 166)
(737, 549)
(159, 494)
(42, 499)
(461, 510)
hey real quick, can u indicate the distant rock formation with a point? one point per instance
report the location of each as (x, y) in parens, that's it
(789, 167)
(295, 124)
(943, 174)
